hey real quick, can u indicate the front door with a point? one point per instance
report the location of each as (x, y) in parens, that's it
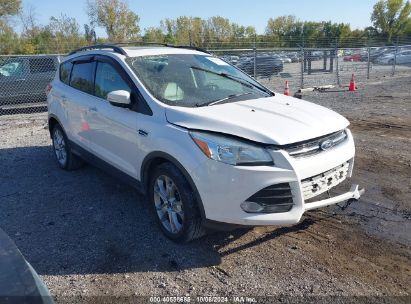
(113, 129)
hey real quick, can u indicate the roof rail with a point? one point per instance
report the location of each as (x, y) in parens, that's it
(165, 44)
(99, 47)
(131, 43)
(116, 47)
(189, 47)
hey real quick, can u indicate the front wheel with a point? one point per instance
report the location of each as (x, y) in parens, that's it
(174, 204)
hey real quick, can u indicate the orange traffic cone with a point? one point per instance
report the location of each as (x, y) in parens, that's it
(84, 124)
(352, 86)
(286, 89)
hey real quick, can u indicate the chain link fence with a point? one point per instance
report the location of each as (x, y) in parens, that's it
(23, 82)
(318, 68)
(319, 65)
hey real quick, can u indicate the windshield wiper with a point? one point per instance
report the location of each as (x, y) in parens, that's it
(213, 102)
(240, 80)
(251, 83)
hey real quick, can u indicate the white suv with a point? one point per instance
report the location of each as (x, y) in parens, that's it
(208, 144)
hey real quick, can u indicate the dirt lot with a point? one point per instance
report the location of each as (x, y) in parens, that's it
(87, 235)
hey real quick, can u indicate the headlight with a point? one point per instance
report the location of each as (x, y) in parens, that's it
(231, 151)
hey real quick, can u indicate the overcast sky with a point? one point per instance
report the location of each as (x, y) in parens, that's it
(245, 12)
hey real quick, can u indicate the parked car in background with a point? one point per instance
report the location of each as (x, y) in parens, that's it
(295, 57)
(19, 282)
(381, 52)
(265, 66)
(209, 145)
(402, 57)
(285, 58)
(353, 57)
(315, 55)
(23, 79)
(233, 59)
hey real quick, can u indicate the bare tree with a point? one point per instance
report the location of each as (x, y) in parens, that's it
(90, 33)
(65, 33)
(29, 23)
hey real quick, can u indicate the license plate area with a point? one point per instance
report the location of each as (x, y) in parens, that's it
(323, 182)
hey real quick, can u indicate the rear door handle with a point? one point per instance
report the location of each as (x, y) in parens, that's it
(21, 79)
(93, 109)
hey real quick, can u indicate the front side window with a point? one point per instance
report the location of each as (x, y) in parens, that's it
(108, 80)
(12, 68)
(190, 80)
(82, 77)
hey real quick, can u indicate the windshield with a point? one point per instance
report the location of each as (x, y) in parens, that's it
(11, 68)
(190, 80)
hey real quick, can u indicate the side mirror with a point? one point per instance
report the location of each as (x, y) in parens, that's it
(119, 98)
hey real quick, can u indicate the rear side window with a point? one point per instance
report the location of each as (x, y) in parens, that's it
(65, 70)
(82, 77)
(41, 65)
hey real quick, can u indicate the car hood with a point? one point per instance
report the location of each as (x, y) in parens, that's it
(276, 120)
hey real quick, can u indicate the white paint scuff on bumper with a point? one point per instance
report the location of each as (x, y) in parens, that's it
(354, 193)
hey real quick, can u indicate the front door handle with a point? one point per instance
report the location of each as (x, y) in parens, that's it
(93, 109)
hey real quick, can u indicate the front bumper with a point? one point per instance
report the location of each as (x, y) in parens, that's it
(223, 187)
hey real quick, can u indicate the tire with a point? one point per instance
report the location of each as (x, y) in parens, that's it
(174, 206)
(62, 150)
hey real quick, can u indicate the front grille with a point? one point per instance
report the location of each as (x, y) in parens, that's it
(315, 146)
(277, 197)
(323, 182)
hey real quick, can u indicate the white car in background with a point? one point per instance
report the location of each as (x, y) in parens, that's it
(402, 57)
(208, 144)
(285, 59)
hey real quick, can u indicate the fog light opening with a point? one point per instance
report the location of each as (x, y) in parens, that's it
(251, 207)
(254, 207)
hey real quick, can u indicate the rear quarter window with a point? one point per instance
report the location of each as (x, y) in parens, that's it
(65, 71)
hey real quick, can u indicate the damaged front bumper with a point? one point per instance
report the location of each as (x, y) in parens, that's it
(352, 195)
(296, 181)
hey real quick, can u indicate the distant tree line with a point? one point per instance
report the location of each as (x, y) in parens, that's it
(390, 20)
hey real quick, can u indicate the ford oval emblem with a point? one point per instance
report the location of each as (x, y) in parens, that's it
(326, 144)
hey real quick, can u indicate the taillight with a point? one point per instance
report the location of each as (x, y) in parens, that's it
(48, 88)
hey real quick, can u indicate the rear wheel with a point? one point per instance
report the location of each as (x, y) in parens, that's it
(62, 150)
(174, 204)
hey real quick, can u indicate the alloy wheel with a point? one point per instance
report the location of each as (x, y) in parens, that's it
(168, 204)
(59, 145)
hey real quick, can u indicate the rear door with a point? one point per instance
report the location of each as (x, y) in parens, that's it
(78, 98)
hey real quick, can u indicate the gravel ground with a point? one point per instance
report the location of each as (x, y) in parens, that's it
(88, 235)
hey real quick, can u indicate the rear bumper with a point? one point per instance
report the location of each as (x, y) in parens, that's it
(223, 188)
